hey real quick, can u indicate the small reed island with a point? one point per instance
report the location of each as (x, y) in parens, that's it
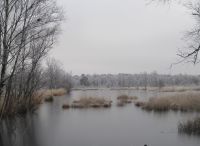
(189, 101)
(89, 102)
(122, 100)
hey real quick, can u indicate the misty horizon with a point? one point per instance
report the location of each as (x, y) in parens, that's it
(111, 37)
(99, 73)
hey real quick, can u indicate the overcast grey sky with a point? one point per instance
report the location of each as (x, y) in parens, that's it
(122, 36)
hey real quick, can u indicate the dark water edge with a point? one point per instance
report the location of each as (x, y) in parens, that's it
(50, 125)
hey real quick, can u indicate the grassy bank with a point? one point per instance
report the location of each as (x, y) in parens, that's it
(22, 106)
(187, 101)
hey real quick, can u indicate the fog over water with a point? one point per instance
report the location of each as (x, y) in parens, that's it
(122, 36)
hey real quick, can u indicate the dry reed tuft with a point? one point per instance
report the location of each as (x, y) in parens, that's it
(37, 98)
(49, 99)
(48, 94)
(66, 106)
(20, 107)
(139, 103)
(124, 99)
(88, 102)
(190, 127)
(187, 101)
(54, 92)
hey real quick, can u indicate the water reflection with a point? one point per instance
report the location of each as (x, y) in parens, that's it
(127, 126)
(18, 131)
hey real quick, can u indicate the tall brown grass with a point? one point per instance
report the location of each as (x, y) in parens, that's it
(187, 101)
(125, 99)
(54, 92)
(22, 107)
(66, 106)
(86, 102)
(190, 127)
(47, 94)
(37, 98)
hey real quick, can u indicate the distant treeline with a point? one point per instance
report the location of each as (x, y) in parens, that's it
(135, 80)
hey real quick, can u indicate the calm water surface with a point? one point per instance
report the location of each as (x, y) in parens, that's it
(116, 126)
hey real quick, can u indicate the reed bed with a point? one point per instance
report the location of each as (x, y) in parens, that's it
(89, 102)
(66, 106)
(124, 99)
(54, 92)
(187, 101)
(190, 127)
(49, 99)
(48, 94)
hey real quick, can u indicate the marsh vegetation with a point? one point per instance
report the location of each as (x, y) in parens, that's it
(52, 124)
(35, 88)
(90, 102)
(187, 101)
(125, 99)
(191, 127)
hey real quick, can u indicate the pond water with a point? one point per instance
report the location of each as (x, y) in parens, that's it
(115, 126)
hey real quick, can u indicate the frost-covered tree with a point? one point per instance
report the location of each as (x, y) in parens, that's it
(135, 80)
(28, 29)
(191, 52)
(55, 77)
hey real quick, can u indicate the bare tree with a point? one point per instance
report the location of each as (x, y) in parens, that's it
(56, 77)
(191, 51)
(193, 36)
(27, 31)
